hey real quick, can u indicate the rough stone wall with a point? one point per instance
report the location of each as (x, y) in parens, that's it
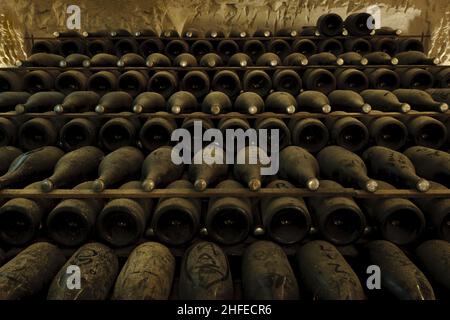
(42, 17)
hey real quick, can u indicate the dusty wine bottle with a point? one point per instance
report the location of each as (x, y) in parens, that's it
(133, 82)
(281, 102)
(71, 223)
(415, 78)
(309, 134)
(384, 100)
(358, 24)
(151, 46)
(266, 273)
(149, 102)
(117, 101)
(205, 274)
(387, 131)
(330, 45)
(164, 83)
(353, 58)
(348, 100)
(401, 277)
(31, 165)
(287, 81)
(41, 102)
(41, 60)
(304, 46)
(385, 44)
(78, 102)
(319, 80)
(228, 82)
(157, 60)
(295, 59)
(248, 167)
(122, 221)
(159, 169)
(10, 81)
(101, 60)
(103, 82)
(313, 101)
(70, 81)
(216, 102)
(74, 60)
(98, 268)
(397, 219)
(177, 49)
(131, 60)
(211, 60)
(330, 24)
(195, 82)
(326, 274)
(348, 132)
(147, 274)
(415, 57)
(324, 59)
(97, 46)
(36, 133)
(156, 131)
(8, 132)
(8, 100)
(176, 220)
(43, 260)
(270, 122)
(300, 167)
(345, 167)
(339, 219)
(285, 218)
(229, 220)
(358, 45)
(77, 133)
(208, 167)
(201, 47)
(120, 165)
(182, 102)
(420, 100)
(426, 131)
(257, 81)
(39, 80)
(8, 154)
(254, 49)
(393, 167)
(240, 60)
(351, 79)
(380, 58)
(73, 168)
(249, 103)
(434, 255)
(185, 60)
(119, 132)
(279, 47)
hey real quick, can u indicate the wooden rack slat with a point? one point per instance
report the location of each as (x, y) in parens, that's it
(200, 68)
(264, 192)
(299, 115)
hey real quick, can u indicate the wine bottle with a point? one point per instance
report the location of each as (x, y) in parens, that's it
(384, 100)
(309, 134)
(348, 100)
(131, 60)
(42, 60)
(359, 45)
(436, 211)
(240, 60)
(319, 80)
(269, 122)
(353, 58)
(98, 46)
(286, 32)
(158, 169)
(43, 260)
(185, 60)
(149, 102)
(151, 46)
(117, 101)
(415, 78)
(279, 47)
(324, 59)
(117, 167)
(248, 166)
(201, 47)
(216, 102)
(229, 220)
(119, 132)
(39, 80)
(133, 82)
(8, 154)
(426, 131)
(330, 25)
(441, 95)
(235, 123)
(300, 167)
(380, 58)
(420, 100)
(10, 81)
(434, 256)
(164, 83)
(262, 33)
(98, 268)
(348, 132)
(77, 133)
(228, 82)
(442, 77)
(388, 31)
(156, 131)
(257, 81)
(338, 219)
(71, 223)
(253, 48)
(285, 218)
(78, 102)
(125, 46)
(103, 82)
(70, 81)
(101, 60)
(122, 221)
(72, 45)
(41, 102)
(73, 60)
(351, 79)
(214, 284)
(267, 274)
(393, 167)
(385, 44)
(249, 103)
(313, 101)
(176, 48)
(310, 31)
(401, 278)
(411, 44)
(345, 167)
(74, 167)
(147, 274)
(304, 46)
(208, 168)
(226, 48)
(20, 218)
(176, 220)
(37, 133)
(195, 82)
(387, 131)
(157, 60)
(330, 45)
(46, 46)
(397, 219)
(146, 33)
(211, 60)
(415, 57)
(326, 274)
(8, 132)
(295, 59)
(287, 81)
(8, 100)
(182, 102)
(281, 102)
(357, 24)
(268, 59)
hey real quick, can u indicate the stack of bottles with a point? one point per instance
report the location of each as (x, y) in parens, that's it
(86, 166)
